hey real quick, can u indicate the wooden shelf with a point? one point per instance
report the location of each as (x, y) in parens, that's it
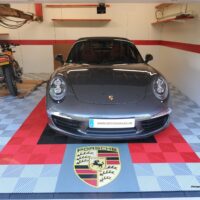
(163, 5)
(174, 19)
(72, 5)
(4, 34)
(81, 20)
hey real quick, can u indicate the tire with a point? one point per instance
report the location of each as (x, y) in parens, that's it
(10, 80)
(17, 71)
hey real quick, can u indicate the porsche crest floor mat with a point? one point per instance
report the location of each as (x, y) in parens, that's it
(36, 160)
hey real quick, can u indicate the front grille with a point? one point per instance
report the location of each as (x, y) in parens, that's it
(66, 124)
(154, 124)
(143, 127)
(111, 131)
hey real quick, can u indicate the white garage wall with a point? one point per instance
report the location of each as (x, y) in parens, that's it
(37, 58)
(182, 68)
(128, 20)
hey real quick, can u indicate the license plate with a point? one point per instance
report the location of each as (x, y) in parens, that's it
(112, 123)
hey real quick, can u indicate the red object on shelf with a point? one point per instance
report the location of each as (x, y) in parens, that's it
(83, 20)
(174, 19)
(73, 5)
(39, 11)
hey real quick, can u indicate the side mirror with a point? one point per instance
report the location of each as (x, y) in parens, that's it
(59, 58)
(148, 58)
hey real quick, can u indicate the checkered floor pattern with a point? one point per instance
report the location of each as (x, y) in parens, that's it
(159, 176)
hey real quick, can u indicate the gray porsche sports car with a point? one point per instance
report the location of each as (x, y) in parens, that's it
(105, 90)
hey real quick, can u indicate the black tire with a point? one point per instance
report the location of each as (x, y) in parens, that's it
(17, 71)
(10, 80)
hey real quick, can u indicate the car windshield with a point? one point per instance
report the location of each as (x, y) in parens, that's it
(107, 52)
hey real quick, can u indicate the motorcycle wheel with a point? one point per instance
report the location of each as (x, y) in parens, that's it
(17, 71)
(10, 81)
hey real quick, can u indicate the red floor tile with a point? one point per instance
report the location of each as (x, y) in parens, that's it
(23, 147)
(171, 147)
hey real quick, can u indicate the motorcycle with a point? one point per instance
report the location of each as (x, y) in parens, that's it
(10, 71)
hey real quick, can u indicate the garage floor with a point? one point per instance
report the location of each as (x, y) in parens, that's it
(33, 159)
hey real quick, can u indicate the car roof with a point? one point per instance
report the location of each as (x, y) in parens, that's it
(103, 38)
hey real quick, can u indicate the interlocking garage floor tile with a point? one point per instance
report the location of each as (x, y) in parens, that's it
(170, 147)
(7, 185)
(167, 177)
(22, 148)
(28, 178)
(170, 163)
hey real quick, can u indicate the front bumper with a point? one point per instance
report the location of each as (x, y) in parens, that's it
(78, 127)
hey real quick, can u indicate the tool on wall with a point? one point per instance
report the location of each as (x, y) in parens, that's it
(160, 11)
(8, 15)
(172, 12)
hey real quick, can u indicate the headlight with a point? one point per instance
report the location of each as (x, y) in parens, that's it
(160, 88)
(57, 88)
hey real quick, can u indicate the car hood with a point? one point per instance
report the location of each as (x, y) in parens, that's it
(116, 84)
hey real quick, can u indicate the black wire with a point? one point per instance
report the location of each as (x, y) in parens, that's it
(11, 26)
(12, 19)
